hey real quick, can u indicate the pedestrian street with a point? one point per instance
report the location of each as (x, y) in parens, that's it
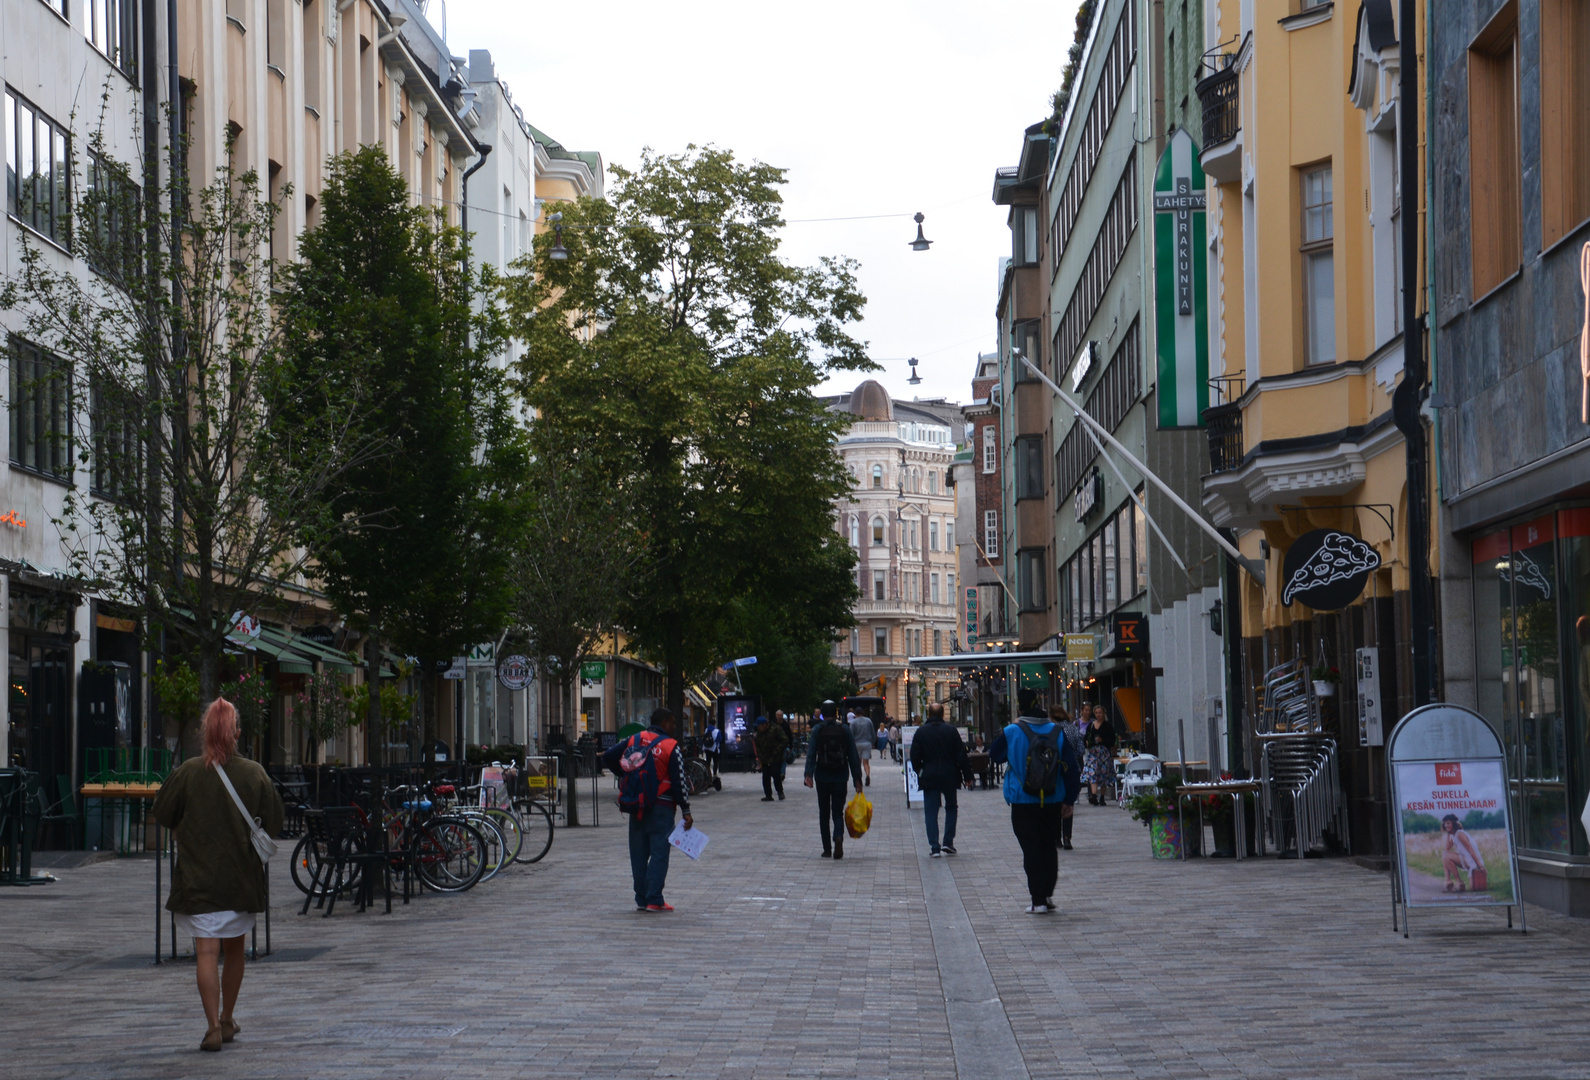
(778, 963)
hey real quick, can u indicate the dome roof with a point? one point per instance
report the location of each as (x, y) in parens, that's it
(870, 401)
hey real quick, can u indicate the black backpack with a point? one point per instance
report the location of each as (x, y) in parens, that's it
(829, 752)
(1042, 776)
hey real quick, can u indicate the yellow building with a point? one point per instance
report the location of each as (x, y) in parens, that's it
(1301, 111)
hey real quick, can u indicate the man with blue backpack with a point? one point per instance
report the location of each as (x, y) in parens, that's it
(1038, 760)
(650, 784)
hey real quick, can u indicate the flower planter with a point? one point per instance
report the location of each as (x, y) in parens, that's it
(1166, 837)
(1324, 689)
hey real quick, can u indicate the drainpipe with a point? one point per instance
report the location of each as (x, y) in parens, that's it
(1407, 400)
(463, 208)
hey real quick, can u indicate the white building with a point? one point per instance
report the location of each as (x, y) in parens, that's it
(900, 518)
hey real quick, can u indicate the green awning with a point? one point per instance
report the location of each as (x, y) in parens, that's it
(296, 649)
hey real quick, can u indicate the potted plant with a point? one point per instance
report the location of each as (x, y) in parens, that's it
(1157, 810)
(1325, 679)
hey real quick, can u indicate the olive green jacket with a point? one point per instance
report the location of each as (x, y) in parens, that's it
(217, 869)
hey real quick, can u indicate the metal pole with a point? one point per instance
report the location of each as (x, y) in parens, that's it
(1254, 567)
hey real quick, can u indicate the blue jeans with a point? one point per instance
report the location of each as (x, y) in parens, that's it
(930, 807)
(648, 853)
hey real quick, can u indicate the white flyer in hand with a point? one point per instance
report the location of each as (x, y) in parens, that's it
(690, 841)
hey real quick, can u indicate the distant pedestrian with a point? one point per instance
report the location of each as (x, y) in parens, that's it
(830, 760)
(770, 743)
(650, 784)
(894, 742)
(1073, 779)
(861, 731)
(789, 748)
(939, 758)
(1098, 767)
(712, 746)
(218, 884)
(1034, 752)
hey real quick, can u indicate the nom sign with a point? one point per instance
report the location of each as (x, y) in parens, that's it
(1326, 569)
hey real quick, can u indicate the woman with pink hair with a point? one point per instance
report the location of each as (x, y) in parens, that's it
(219, 883)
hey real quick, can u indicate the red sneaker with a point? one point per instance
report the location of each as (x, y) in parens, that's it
(659, 907)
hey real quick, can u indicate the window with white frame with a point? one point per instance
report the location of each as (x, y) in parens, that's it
(880, 641)
(1319, 267)
(38, 170)
(877, 532)
(933, 583)
(991, 534)
(855, 531)
(108, 24)
(990, 450)
(877, 476)
(877, 584)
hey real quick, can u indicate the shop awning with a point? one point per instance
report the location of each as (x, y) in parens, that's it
(701, 696)
(986, 659)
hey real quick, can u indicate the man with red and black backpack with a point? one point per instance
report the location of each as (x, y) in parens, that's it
(650, 784)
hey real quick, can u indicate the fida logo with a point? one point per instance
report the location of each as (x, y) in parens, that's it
(1449, 774)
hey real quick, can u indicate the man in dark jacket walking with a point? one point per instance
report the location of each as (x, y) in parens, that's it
(771, 742)
(830, 758)
(939, 758)
(650, 827)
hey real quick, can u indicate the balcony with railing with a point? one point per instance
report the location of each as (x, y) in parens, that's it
(1222, 117)
(1223, 423)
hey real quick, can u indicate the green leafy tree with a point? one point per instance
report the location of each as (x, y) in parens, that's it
(578, 552)
(188, 489)
(674, 330)
(414, 543)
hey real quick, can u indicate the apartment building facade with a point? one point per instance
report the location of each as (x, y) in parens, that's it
(1510, 221)
(900, 517)
(287, 85)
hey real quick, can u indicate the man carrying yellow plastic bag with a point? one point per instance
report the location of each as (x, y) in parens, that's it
(830, 759)
(858, 815)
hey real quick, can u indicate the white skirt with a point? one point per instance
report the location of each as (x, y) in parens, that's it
(216, 924)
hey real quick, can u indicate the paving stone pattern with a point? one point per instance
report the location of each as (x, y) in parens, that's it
(781, 964)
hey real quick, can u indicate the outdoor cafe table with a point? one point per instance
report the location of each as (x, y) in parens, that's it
(1235, 789)
(130, 795)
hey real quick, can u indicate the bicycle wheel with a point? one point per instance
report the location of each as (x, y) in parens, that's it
(535, 829)
(698, 777)
(507, 823)
(306, 863)
(450, 854)
(497, 855)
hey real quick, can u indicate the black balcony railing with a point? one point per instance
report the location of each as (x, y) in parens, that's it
(1223, 425)
(1218, 95)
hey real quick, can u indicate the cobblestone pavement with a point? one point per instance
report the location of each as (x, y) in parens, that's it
(779, 963)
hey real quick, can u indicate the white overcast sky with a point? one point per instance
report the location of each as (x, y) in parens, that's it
(874, 107)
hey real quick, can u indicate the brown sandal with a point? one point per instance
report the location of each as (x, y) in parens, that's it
(229, 1029)
(212, 1039)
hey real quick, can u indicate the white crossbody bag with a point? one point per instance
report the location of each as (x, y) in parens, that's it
(264, 846)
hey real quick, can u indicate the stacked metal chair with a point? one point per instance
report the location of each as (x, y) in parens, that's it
(1298, 764)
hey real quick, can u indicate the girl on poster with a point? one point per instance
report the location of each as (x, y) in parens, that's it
(1459, 853)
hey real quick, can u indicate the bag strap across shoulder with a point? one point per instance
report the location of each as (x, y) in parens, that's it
(248, 818)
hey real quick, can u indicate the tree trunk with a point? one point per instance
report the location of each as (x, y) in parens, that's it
(676, 694)
(209, 690)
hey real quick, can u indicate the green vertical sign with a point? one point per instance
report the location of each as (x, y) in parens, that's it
(1181, 293)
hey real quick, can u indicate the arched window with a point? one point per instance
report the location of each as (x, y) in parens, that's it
(877, 532)
(855, 531)
(877, 476)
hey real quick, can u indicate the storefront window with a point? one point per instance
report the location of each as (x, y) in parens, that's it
(1573, 543)
(1532, 589)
